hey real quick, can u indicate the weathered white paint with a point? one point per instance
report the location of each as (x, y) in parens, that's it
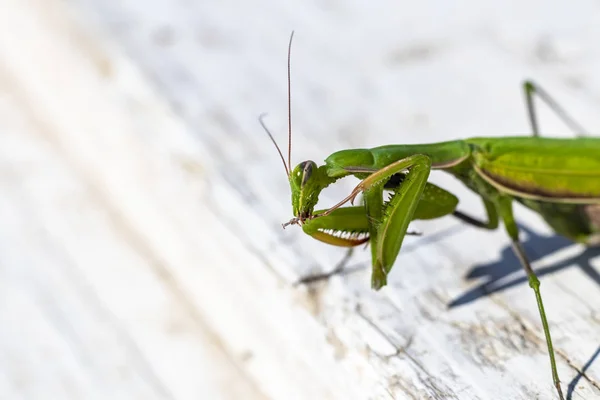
(141, 254)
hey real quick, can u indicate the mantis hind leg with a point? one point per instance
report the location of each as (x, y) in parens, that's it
(530, 89)
(504, 205)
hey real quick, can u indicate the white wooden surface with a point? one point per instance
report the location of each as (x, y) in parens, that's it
(141, 253)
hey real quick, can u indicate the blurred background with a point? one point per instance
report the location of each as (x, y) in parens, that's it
(141, 249)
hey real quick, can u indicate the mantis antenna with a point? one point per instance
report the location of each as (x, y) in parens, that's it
(262, 122)
(287, 166)
(289, 79)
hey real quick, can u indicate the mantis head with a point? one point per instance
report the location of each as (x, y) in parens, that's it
(306, 182)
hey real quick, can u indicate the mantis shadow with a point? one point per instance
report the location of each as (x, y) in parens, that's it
(573, 383)
(496, 275)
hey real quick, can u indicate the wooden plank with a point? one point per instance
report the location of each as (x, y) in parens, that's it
(153, 111)
(84, 315)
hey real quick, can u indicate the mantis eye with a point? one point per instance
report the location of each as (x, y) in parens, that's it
(307, 168)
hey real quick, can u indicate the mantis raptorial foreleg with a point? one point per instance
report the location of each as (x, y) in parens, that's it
(530, 89)
(348, 219)
(386, 225)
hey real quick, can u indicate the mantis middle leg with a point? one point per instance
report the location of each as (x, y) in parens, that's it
(492, 216)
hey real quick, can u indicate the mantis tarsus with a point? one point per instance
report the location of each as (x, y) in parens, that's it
(557, 178)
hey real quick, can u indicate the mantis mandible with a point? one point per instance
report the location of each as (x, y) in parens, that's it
(557, 178)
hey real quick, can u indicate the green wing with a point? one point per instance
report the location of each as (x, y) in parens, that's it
(557, 170)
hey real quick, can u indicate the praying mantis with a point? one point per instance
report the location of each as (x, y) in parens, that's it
(557, 178)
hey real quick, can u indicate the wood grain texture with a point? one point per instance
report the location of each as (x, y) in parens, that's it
(141, 251)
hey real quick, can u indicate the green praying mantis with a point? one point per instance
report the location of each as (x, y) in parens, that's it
(557, 178)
